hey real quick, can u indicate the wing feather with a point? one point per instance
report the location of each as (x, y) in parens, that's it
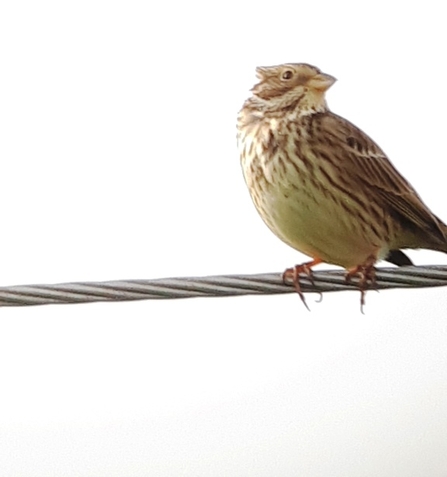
(367, 164)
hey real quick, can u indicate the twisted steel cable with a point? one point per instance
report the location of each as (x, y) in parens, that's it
(213, 286)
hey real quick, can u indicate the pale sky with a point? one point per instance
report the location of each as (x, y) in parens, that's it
(119, 161)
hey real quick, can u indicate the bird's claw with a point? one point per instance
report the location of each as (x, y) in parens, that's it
(366, 274)
(292, 275)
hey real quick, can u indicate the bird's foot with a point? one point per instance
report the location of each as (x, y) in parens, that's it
(366, 274)
(292, 275)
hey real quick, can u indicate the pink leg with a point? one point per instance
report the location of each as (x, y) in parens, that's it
(366, 273)
(293, 275)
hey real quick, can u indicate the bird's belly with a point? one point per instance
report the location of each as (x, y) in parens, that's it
(318, 226)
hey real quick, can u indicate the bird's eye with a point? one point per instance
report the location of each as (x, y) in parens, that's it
(287, 75)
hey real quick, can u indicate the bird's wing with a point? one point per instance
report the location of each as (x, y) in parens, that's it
(366, 163)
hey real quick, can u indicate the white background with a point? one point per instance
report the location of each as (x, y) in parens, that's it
(118, 160)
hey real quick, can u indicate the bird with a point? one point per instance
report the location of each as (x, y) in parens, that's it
(322, 185)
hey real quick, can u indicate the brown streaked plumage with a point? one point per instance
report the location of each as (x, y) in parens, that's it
(321, 184)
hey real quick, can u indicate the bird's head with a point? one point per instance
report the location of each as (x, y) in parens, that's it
(291, 86)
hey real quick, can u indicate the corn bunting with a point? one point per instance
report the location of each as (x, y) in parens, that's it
(321, 184)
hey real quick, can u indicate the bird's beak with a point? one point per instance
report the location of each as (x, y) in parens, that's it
(321, 82)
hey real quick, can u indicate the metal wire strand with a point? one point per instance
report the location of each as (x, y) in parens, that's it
(213, 286)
